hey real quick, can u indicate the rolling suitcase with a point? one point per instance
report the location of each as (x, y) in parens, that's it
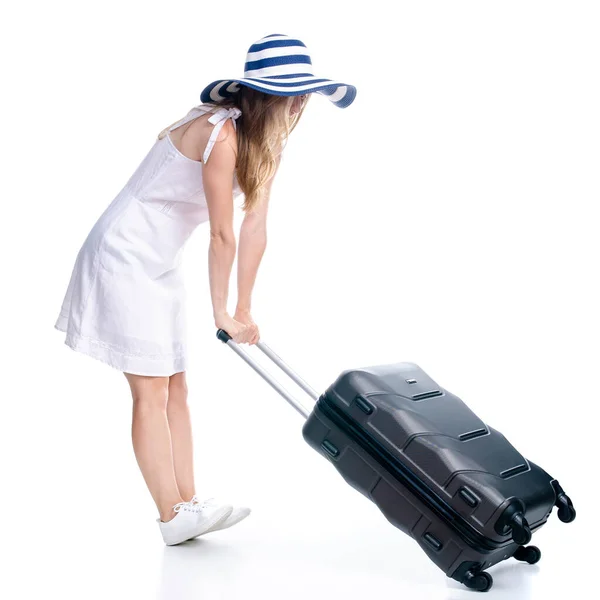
(433, 468)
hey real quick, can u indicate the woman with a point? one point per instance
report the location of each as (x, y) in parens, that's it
(125, 302)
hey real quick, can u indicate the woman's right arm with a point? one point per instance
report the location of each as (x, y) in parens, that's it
(217, 176)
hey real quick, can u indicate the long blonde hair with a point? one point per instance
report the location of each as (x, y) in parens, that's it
(262, 132)
(263, 129)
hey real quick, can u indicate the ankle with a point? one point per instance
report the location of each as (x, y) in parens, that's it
(168, 515)
(166, 510)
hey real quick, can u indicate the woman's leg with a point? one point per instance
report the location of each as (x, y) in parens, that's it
(152, 440)
(178, 414)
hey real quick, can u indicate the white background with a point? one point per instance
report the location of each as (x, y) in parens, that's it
(448, 217)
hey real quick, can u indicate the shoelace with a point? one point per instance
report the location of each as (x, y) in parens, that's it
(186, 506)
(201, 503)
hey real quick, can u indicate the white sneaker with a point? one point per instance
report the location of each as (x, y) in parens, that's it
(191, 521)
(236, 515)
(210, 517)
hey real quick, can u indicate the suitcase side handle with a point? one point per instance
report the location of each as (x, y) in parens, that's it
(227, 339)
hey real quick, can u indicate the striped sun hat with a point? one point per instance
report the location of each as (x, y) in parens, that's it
(278, 64)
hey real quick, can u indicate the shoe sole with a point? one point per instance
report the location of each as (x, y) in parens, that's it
(215, 520)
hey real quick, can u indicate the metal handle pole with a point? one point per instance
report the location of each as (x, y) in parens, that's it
(287, 369)
(226, 338)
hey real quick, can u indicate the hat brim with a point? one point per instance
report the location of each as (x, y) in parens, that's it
(341, 94)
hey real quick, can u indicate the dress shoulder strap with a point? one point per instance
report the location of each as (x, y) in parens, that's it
(218, 119)
(193, 113)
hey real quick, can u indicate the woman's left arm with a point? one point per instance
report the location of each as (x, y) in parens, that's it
(251, 247)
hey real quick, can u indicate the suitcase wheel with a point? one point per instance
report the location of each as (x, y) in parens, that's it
(513, 521)
(566, 511)
(528, 554)
(480, 582)
(521, 532)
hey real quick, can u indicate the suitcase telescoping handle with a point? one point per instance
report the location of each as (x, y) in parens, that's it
(226, 338)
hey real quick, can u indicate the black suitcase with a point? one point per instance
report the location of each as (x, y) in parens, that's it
(434, 469)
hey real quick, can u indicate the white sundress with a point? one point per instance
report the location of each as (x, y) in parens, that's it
(125, 301)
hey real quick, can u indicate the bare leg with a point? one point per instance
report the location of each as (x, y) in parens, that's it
(178, 414)
(152, 440)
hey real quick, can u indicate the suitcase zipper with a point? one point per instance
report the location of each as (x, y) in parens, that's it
(406, 477)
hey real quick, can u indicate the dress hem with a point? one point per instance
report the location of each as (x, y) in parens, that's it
(127, 364)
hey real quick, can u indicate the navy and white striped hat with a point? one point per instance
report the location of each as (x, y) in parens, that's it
(278, 64)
